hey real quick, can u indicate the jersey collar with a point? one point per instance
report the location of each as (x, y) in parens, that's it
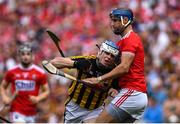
(127, 34)
(29, 68)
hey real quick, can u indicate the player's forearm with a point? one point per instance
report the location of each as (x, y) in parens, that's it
(116, 72)
(3, 93)
(5, 98)
(43, 95)
(3, 88)
(61, 62)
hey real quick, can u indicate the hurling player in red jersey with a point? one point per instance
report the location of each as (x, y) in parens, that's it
(26, 79)
(131, 101)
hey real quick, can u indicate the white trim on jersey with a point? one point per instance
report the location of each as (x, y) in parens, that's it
(126, 35)
(38, 68)
(29, 68)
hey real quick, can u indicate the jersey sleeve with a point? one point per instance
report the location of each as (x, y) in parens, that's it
(43, 79)
(8, 76)
(129, 45)
(82, 62)
(82, 57)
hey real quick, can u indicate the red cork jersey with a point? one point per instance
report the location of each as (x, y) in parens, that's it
(135, 78)
(26, 81)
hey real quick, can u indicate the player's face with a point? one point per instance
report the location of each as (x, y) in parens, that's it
(26, 58)
(107, 59)
(116, 25)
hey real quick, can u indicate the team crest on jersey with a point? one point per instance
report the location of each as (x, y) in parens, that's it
(25, 85)
(34, 76)
(18, 75)
(25, 74)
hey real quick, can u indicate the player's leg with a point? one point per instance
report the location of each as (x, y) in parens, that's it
(105, 117)
(74, 113)
(111, 115)
(93, 114)
(130, 119)
(125, 107)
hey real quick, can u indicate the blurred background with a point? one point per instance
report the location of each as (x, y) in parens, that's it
(80, 24)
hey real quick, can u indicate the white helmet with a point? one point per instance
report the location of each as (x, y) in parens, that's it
(25, 48)
(110, 47)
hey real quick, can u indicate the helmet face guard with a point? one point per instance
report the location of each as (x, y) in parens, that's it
(25, 48)
(110, 47)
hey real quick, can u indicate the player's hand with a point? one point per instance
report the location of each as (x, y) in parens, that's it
(112, 92)
(34, 99)
(7, 100)
(91, 80)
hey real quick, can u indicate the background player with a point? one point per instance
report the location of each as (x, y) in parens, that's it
(25, 78)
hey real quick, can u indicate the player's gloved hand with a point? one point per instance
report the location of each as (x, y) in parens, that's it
(82, 64)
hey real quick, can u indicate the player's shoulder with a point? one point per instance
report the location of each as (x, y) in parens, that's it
(132, 37)
(83, 57)
(135, 36)
(14, 68)
(38, 69)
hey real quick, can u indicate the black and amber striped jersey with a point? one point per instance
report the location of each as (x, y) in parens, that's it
(86, 96)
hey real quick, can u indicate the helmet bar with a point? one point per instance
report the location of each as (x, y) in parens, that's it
(25, 48)
(123, 22)
(110, 48)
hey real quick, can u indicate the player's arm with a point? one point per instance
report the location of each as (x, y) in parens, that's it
(43, 95)
(45, 92)
(3, 87)
(123, 68)
(79, 63)
(61, 62)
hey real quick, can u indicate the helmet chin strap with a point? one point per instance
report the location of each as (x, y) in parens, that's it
(120, 31)
(125, 25)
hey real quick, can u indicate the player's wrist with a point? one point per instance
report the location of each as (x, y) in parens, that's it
(99, 79)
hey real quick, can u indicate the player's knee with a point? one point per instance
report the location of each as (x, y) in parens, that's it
(105, 117)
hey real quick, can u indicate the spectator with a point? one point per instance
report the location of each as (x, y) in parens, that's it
(154, 112)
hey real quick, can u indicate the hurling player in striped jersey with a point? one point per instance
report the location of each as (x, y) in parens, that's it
(86, 102)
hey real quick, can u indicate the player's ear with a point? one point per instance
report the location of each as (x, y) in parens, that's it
(99, 53)
(125, 19)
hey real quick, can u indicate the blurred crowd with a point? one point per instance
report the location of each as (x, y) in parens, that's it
(80, 24)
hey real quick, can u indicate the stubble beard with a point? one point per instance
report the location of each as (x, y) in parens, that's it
(119, 31)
